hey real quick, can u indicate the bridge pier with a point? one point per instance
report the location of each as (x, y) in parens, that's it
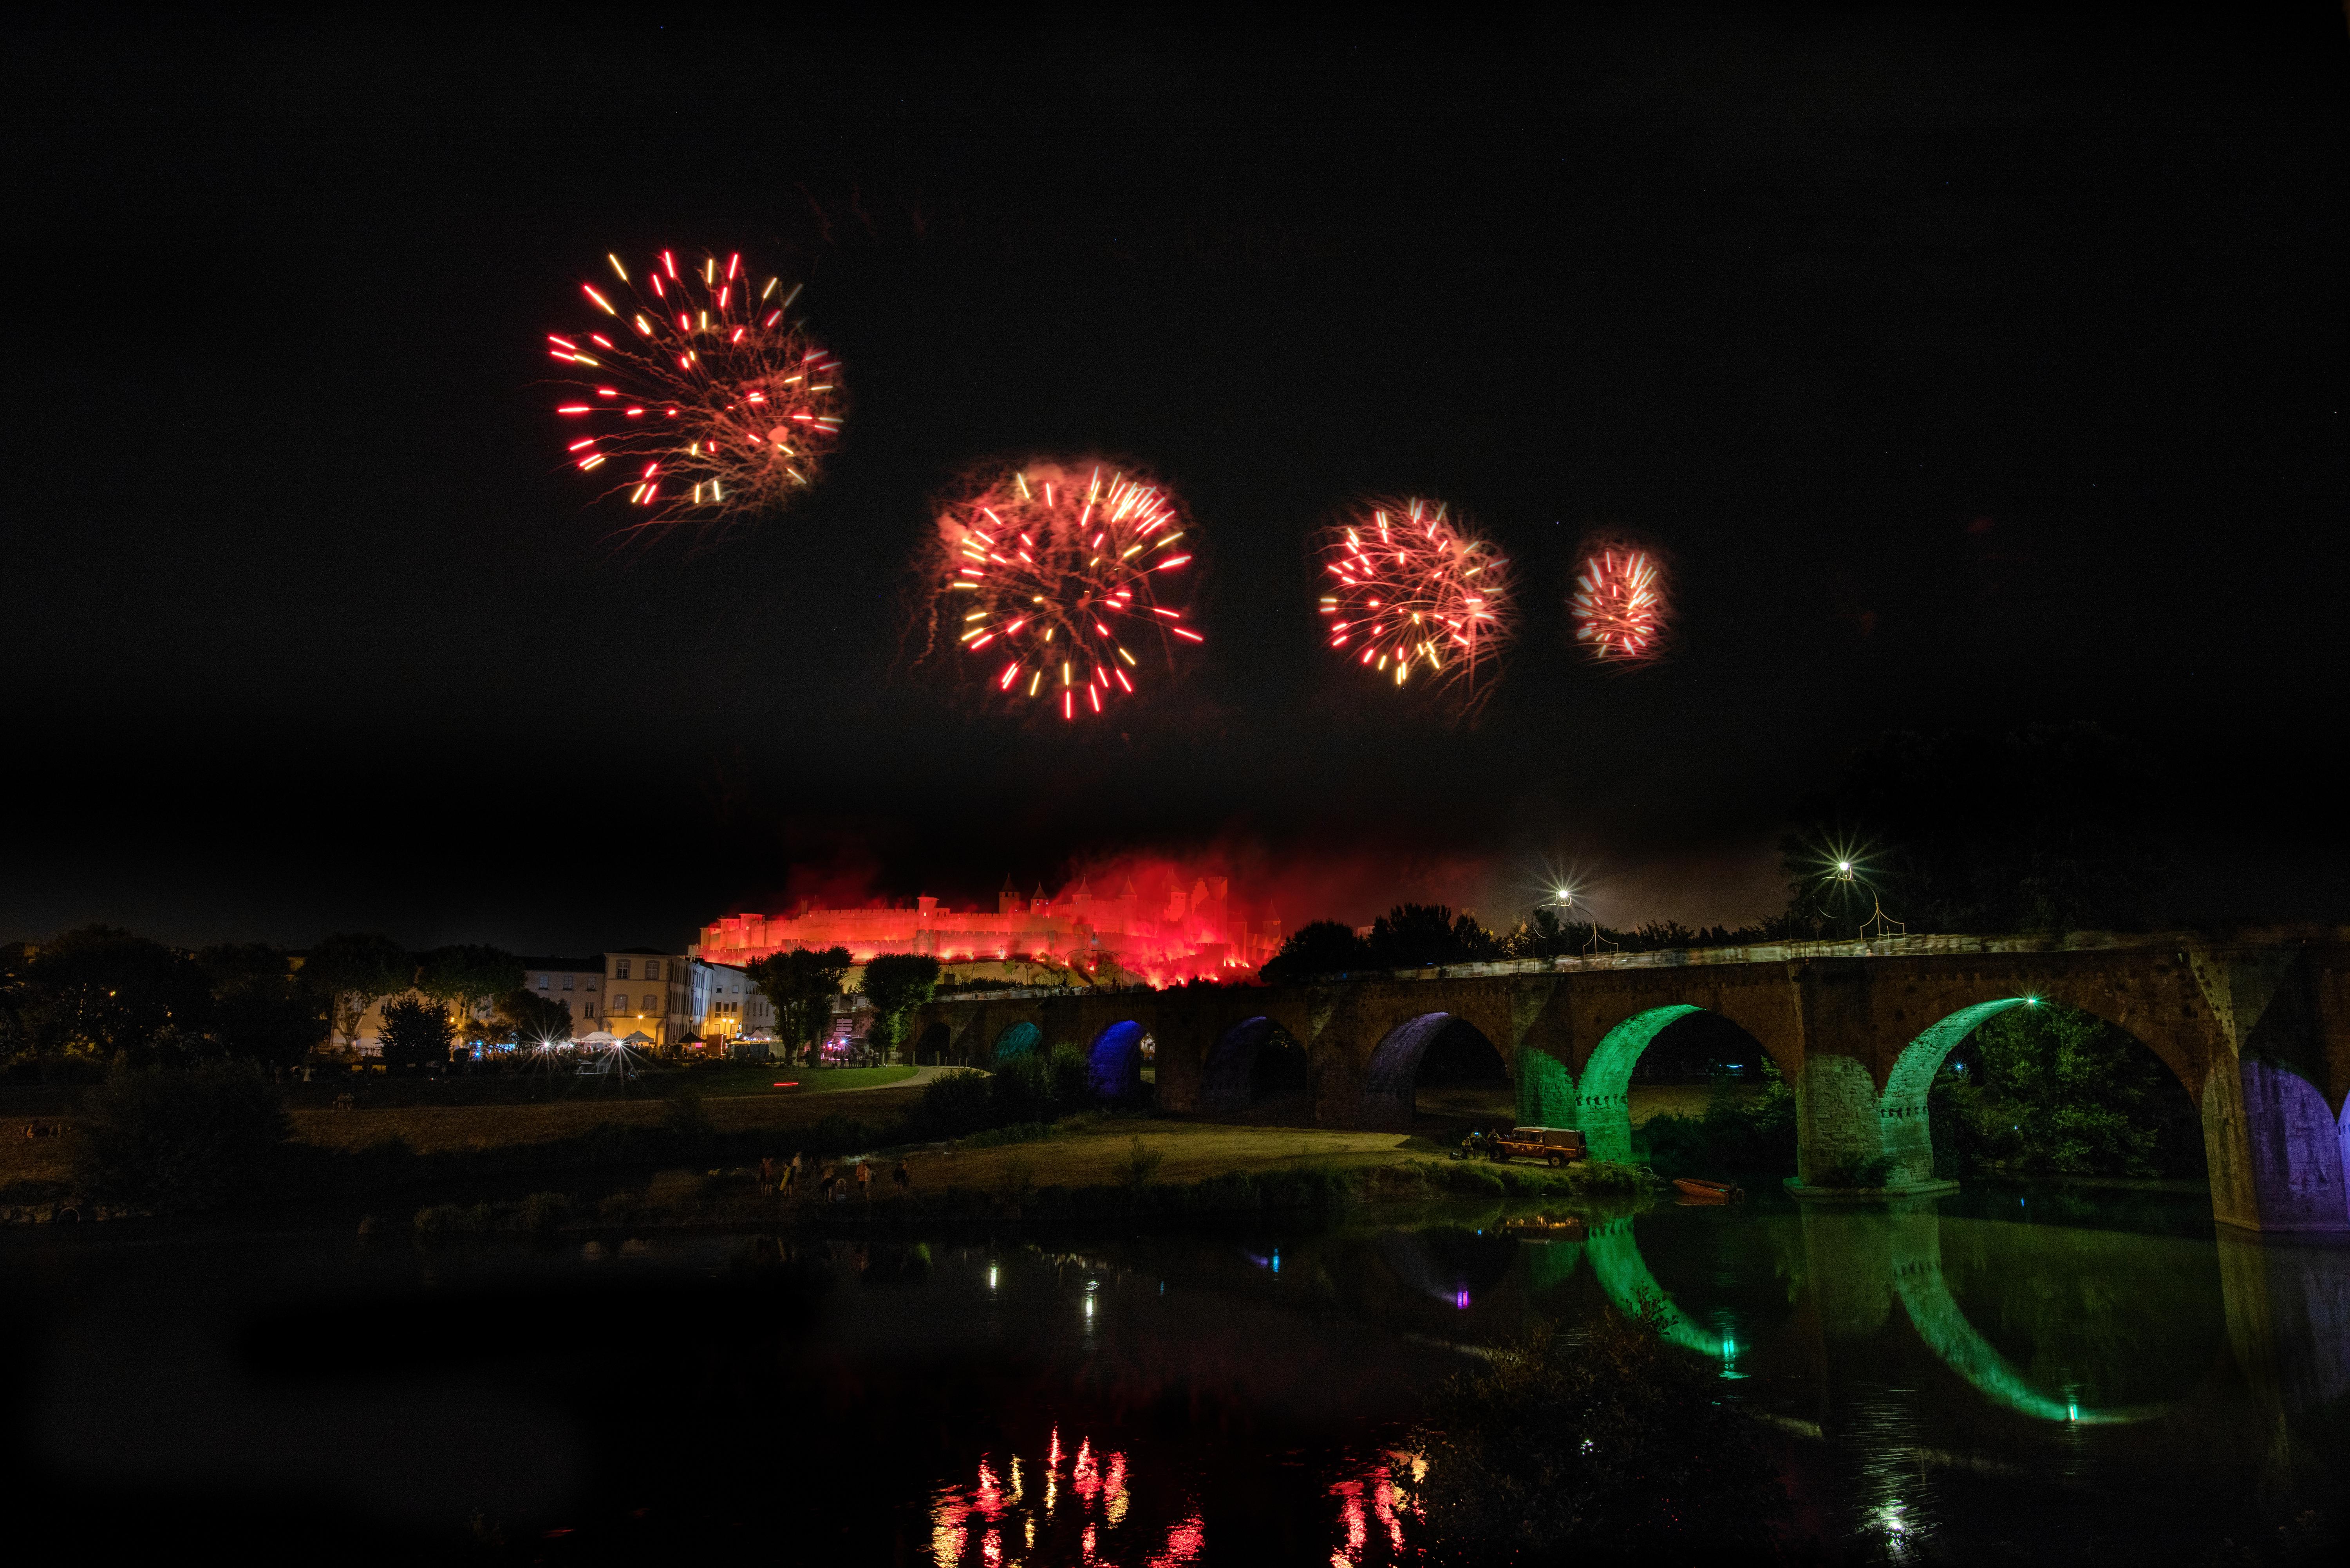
(2275, 1150)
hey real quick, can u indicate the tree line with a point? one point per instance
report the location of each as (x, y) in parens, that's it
(2050, 828)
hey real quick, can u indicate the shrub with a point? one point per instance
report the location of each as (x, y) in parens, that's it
(1022, 1090)
(544, 1211)
(178, 1139)
(1608, 1176)
(1606, 1446)
(1851, 1171)
(954, 1104)
(453, 1218)
(687, 1124)
(838, 1134)
(1018, 1132)
(1141, 1163)
(1070, 1079)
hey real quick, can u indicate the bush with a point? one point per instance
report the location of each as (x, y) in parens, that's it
(453, 1219)
(1070, 1079)
(1022, 1091)
(1141, 1163)
(544, 1211)
(1608, 1446)
(1018, 1132)
(1852, 1170)
(687, 1124)
(182, 1139)
(954, 1104)
(1736, 1135)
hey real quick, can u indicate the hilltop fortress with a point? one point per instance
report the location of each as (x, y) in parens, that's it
(1157, 939)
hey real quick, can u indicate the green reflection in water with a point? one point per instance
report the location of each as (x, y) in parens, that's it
(1624, 1275)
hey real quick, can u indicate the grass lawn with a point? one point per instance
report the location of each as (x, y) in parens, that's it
(769, 1080)
(1191, 1151)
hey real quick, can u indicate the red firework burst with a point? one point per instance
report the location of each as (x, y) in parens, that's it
(704, 398)
(1050, 573)
(1618, 604)
(1413, 593)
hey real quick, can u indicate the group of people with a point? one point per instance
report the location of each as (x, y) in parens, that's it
(831, 1182)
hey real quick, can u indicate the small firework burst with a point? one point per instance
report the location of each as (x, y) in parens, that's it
(1619, 605)
(697, 394)
(1052, 575)
(1411, 595)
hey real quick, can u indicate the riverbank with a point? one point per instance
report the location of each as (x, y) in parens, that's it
(1087, 1169)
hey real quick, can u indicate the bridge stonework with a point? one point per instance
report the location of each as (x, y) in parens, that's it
(2256, 1026)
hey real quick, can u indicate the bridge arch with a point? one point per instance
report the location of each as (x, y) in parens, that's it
(1254, 1059)
(1391, 1078)
(1113, 1061)
(1603, 1096)
(1903, 1134)
(1018, 1038)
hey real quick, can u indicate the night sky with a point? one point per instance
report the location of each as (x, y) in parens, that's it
(1973, 370)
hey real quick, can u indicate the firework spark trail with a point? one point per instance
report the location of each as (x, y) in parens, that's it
(1618, 604)
(1050, 575)
(1414, 593)
(696, 391)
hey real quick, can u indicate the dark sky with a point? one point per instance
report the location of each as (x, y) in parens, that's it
(1973, 368)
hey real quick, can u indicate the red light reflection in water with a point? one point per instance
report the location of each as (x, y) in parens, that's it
(1081, 1510)
(1091, 1505)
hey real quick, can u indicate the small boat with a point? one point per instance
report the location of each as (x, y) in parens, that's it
(1697, 1191)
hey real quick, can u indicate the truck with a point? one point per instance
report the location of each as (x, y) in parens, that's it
(1553, 1146)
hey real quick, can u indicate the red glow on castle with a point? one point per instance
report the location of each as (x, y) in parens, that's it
(1162, 933)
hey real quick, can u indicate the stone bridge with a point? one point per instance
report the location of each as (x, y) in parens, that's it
(2256, 1025)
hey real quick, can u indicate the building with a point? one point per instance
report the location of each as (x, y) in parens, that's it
(679, 1001)
(1174, 934)
(576, 983)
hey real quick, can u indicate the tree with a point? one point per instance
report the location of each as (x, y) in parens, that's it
(261, 1010)
(466, 977)
(526, 1018)
(416, 1032)
(1410, 935)
(801, 984)
(100, 991)
(896, 984)
(1321, 947)
(2047, 1090)
(2048, 828)
(354, 970)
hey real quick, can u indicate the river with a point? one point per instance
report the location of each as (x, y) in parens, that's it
(2021, 1374)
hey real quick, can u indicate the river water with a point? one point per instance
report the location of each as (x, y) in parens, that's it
(2008, 1375)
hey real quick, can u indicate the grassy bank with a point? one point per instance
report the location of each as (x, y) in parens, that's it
(1109, 1171)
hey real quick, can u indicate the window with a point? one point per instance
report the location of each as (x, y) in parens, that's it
(567, 980)
(620, 1003)
(619, 969)
(542, 982)
(652, 968)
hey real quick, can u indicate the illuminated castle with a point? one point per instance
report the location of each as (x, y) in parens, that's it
(1163, 940)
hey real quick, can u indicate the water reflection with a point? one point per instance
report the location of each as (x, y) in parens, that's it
(1945, 1374)
(999, 1520)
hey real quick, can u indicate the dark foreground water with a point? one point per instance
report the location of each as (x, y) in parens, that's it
(2016, 1376)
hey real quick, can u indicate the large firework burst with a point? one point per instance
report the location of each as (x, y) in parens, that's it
(1413, 593)
(1050, 574)
(1619, 603)
(705, 399)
